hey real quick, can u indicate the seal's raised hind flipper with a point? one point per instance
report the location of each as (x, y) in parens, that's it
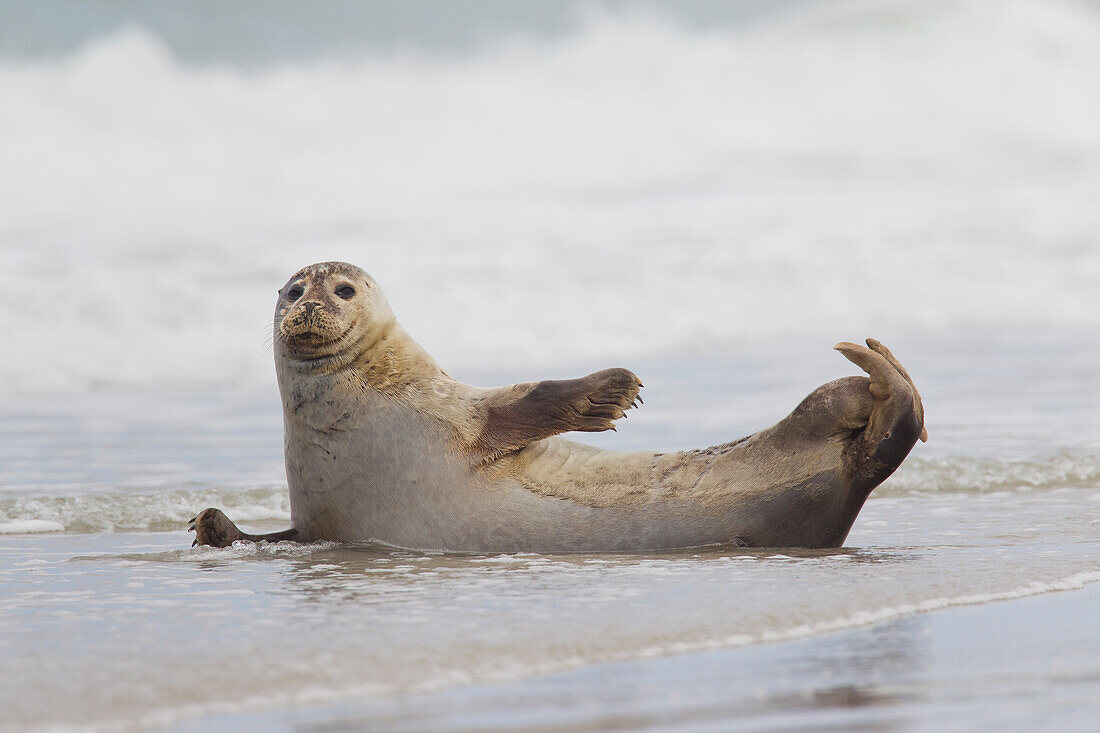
(896, 419)
(877, 346)
(213, 528)
(516, 416)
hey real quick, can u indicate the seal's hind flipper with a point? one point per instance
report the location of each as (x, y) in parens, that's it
(519, 415)
(877, 346)
(896, 419)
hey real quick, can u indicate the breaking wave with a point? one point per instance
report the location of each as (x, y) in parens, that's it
(986, 475)
(136, 512)
(170, 510)
(632, 187)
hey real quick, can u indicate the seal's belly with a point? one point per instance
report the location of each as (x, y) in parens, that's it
(372, 484)
(389, 476)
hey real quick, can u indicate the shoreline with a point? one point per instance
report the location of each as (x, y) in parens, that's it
(1020, 664)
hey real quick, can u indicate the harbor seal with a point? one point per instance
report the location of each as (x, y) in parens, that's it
(382, 445)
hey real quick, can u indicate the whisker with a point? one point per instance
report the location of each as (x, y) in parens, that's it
(271, 333)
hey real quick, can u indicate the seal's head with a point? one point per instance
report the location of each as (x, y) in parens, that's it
(327, 312)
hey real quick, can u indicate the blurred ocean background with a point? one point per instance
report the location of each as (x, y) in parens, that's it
(709, 193)
(539, 182)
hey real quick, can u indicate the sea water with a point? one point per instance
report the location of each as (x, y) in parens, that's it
(112, 621)
(709, 197)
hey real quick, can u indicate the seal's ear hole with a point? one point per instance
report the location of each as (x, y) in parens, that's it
(345, 291)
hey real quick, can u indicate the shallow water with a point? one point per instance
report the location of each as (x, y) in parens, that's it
(967, 668)
(140, 630)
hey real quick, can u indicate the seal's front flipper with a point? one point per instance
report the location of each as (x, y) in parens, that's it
(213, 528)
(517, 416)
(896, 419)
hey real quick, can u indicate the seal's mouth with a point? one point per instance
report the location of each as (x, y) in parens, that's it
(313, 342)
(309, 338)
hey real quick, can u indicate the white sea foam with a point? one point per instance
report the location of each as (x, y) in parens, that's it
(878, 615)
(961, 474)
(633, 187)
(129, 511)
(242, 551)
(125, 511)
(871, 616)
(30, 526)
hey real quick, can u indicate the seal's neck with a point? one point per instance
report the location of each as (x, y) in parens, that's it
(391, 366)
(396, 365)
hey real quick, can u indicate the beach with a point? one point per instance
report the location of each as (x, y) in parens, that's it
(1018, 665)
(709, 196)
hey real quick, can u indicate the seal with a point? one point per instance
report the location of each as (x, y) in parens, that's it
(382, 445)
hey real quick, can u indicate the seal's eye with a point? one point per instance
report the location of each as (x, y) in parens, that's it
(345, 291)
(294, 293)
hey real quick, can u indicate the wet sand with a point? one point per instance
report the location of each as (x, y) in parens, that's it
(1026, 664)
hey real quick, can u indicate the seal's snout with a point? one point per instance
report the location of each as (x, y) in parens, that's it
(310, 318)
(309, 323)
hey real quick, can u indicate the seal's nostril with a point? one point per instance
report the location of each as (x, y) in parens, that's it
(309, 307)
